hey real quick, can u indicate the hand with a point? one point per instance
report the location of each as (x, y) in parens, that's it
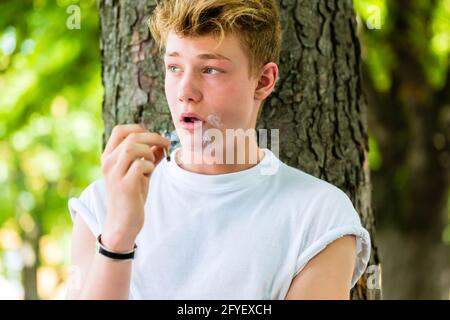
(127, 179)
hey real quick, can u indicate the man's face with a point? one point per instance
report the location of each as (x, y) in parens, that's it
(219, 90)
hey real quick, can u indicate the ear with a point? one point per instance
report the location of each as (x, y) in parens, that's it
(267, 80)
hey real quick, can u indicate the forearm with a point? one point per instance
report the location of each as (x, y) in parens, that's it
(108, 278)
(129, 158)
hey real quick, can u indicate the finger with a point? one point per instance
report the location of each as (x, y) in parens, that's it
(150, 138)
(129, 153)
(119, 133)
(138, 169)
(158, 152)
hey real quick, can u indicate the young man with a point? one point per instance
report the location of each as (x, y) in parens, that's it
(206, 228)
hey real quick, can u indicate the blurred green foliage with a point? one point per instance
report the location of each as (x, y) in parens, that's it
(428, 30)
(50, 117)
(50, 111)
(432, 45)
(431, 38)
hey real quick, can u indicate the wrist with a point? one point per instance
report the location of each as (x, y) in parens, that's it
(118, 240)
(114, 255)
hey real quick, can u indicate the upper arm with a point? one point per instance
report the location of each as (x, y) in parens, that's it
(328, 275)
(82, 253)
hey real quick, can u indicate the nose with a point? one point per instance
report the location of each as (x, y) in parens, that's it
(188, 89)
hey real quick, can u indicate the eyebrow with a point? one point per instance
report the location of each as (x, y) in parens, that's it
(203, 56)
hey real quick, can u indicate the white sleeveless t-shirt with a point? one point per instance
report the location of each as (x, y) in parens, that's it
(240, 235)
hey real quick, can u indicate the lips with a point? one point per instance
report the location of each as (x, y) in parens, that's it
(190, 117)
(191, 121)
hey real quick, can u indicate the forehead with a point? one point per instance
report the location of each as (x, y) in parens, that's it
(205, 47)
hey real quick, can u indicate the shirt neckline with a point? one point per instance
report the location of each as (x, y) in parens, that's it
(220, 182)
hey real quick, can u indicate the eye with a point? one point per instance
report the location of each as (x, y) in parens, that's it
(213, 69)
(171, 68)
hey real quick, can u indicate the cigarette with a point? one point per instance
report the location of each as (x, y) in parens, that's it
(174, 142)
(167, 154)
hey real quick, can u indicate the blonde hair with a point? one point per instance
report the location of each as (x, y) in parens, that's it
(256, 23)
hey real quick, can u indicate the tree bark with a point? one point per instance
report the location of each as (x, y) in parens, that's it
(132, 71)
(318, 104)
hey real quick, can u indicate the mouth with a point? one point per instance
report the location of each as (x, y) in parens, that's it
(190, 121)
(190, 117)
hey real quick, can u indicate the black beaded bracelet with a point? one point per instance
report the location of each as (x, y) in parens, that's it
(114, 255)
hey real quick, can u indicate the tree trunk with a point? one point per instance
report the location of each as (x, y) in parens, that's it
(30, 248)
(29, 275)
(318, 104)
(131, 68)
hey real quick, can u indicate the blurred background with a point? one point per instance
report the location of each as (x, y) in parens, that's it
(51, 126)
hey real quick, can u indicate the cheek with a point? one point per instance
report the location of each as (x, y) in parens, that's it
(170, 94)
(232, 95)
(233, 105)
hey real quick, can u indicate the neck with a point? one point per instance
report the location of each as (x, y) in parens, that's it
(212, 166)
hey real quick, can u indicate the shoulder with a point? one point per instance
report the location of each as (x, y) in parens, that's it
(96, 188)
(91, 204)
(311, 190)
(320, 206)
(94, 195)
